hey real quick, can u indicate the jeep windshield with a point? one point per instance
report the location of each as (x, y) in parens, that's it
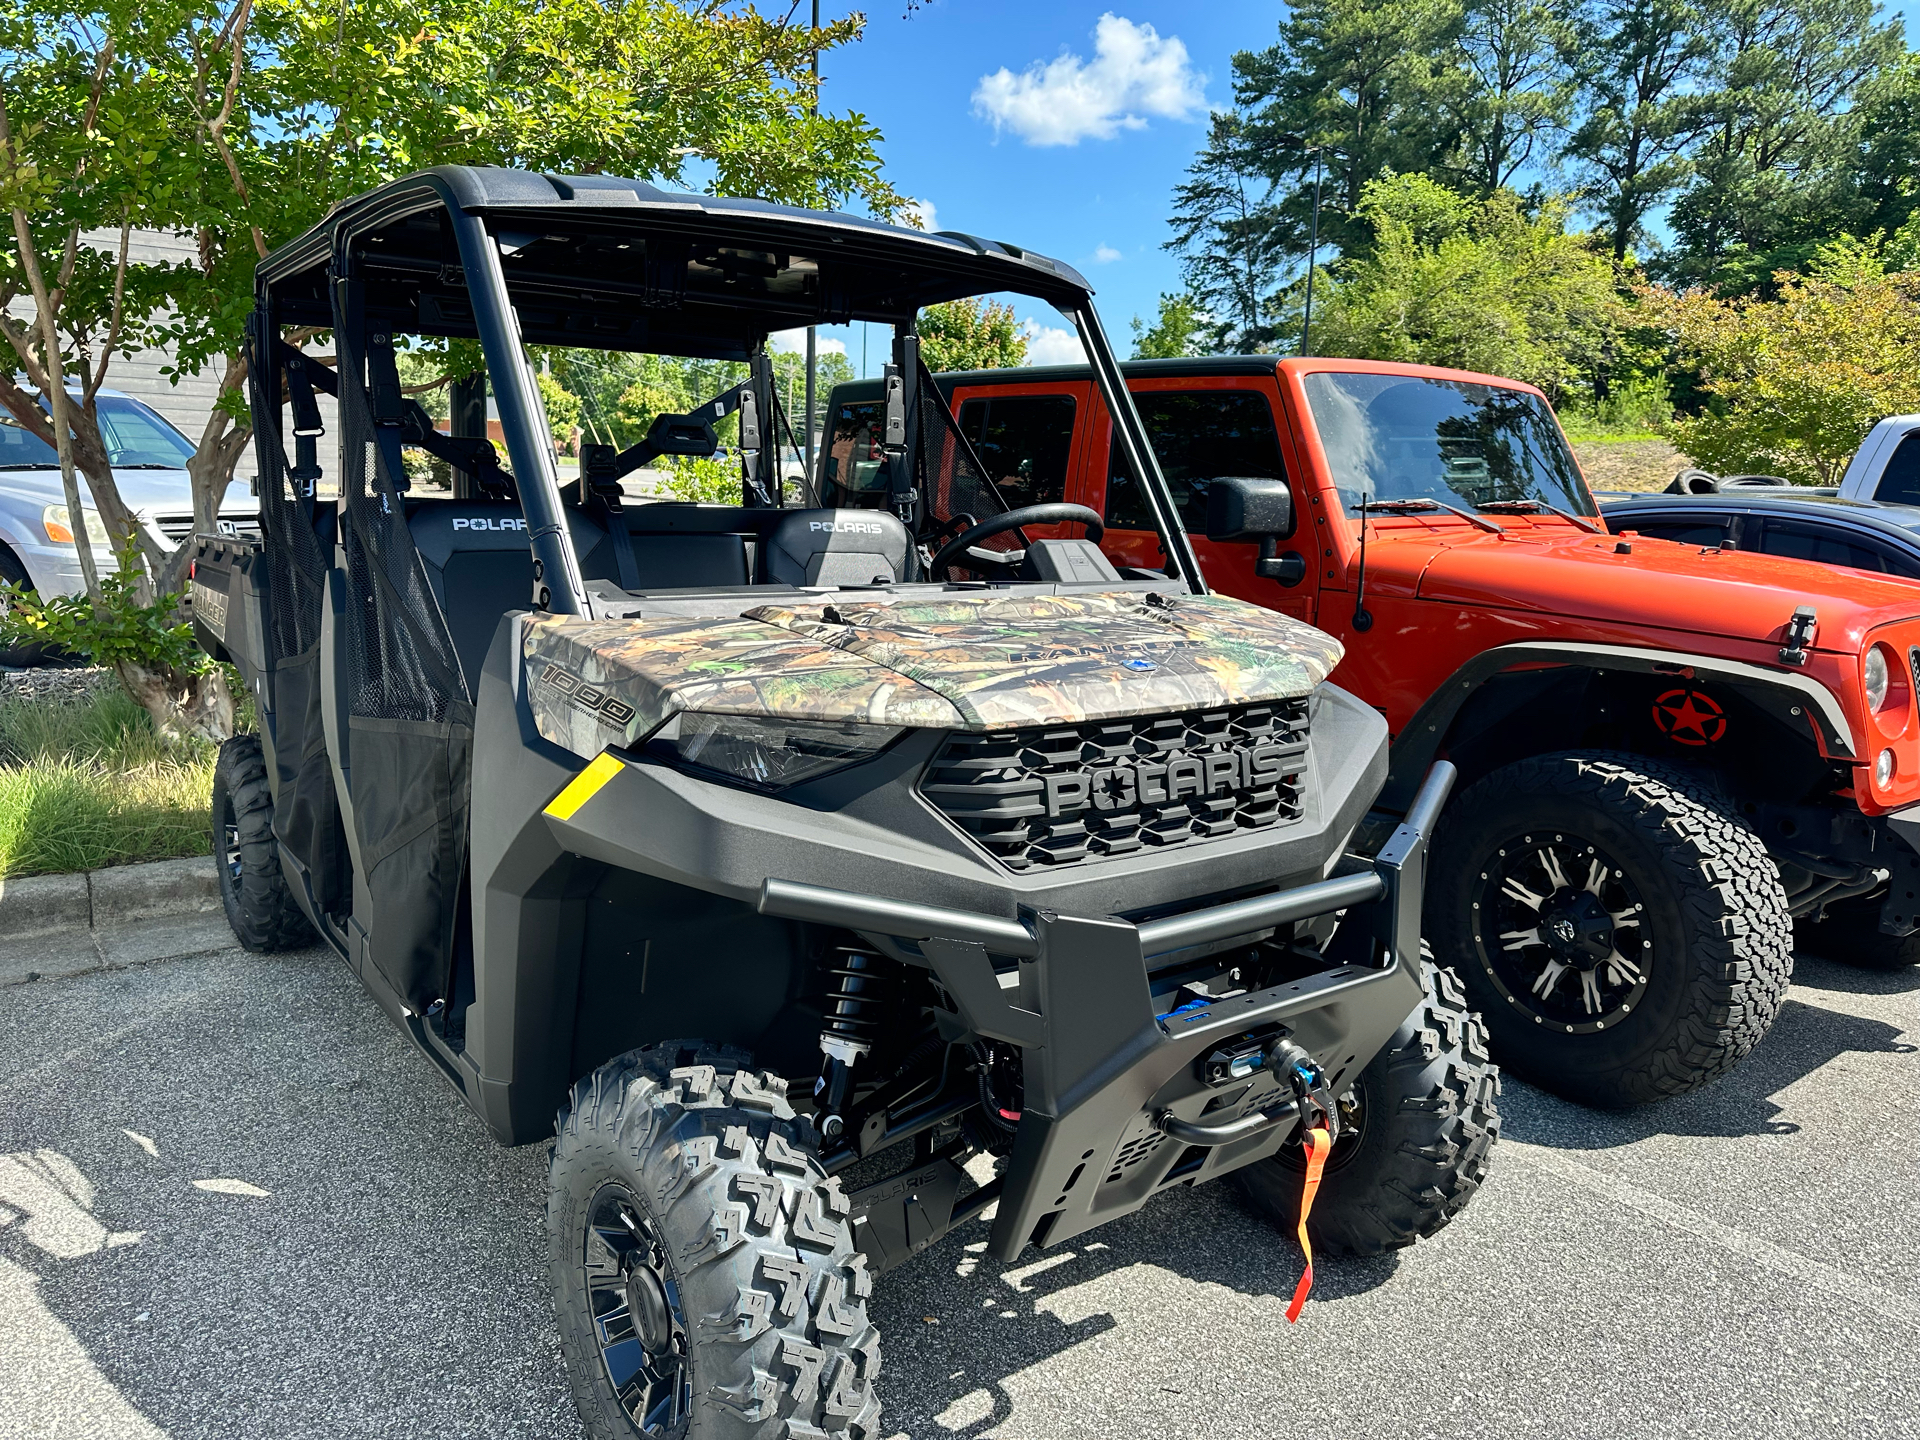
(1455, 442)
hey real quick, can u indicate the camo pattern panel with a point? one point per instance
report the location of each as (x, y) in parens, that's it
(595, 683)
(1017, 660)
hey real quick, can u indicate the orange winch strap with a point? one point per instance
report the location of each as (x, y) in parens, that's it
(1319, 1142)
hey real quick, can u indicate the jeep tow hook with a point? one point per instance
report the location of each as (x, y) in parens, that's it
(1310, 1099)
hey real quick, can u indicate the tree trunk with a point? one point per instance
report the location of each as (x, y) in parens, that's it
(182, 705)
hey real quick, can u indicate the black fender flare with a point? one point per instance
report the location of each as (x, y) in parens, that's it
(1789, 696)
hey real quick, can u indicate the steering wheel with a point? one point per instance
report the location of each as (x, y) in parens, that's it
(958, 551)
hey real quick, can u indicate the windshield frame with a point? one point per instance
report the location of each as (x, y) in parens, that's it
(1576, 498)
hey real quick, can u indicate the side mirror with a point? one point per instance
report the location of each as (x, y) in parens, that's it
(1242, 508)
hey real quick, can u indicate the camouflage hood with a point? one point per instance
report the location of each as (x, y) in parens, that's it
(979, 661)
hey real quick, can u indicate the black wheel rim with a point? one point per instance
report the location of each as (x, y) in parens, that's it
(637, 1317)
(1560, 926)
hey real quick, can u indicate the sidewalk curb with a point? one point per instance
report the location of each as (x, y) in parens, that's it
(53, 925)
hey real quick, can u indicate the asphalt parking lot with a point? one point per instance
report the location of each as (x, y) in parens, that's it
(234, 1203)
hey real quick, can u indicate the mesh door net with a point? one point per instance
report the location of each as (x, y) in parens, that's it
(411, 723)
(297, 567)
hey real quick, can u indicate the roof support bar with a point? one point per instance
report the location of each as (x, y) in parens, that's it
(556, 569)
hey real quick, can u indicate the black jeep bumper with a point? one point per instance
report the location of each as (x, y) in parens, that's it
(1116, 1108)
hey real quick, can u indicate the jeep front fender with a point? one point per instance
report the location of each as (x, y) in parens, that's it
(1788, 696)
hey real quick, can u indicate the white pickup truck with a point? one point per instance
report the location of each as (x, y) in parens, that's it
(1886, 467)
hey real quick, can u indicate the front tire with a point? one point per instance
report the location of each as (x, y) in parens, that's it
(253, 888)
(1620, 927)
(702, 1265)
(1418, 1131)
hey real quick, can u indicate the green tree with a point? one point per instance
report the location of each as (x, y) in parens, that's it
(975, 334)
(1174, 334)
(1518, 92)
(1641, 65)
(1779, 126)
(1233, 239)
(1793, 384)
(1473, 284)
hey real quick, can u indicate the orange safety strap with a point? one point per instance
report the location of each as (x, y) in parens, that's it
(1319, 1142)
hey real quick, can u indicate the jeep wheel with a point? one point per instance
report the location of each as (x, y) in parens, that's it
(702, 1265)
(253, 888)
(1851, 935)
(1418, 1128)
(1619, 926)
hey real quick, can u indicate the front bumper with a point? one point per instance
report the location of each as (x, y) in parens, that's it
(1110, 1084)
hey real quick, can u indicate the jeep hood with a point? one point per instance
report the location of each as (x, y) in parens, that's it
(1665, 585)
(978, 661)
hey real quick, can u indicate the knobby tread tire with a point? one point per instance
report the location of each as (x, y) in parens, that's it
(1728, 925)
(773, 1291)
(260, 905)
(1431, 1105)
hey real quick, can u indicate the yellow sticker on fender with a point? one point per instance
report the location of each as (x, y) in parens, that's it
(584, 786)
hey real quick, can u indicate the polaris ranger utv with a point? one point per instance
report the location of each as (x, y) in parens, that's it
(836, 875)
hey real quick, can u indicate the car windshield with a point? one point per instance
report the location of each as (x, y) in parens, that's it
(1399, 437)
(134, 436)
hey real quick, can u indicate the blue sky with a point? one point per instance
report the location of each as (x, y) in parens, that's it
(1060, 126)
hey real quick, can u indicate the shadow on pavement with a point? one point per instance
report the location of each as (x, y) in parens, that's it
(1823, 974)
(956, 1325)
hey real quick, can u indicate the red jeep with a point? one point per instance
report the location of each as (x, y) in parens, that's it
(1667, 754)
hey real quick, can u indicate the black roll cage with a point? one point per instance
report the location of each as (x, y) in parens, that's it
(877, 272)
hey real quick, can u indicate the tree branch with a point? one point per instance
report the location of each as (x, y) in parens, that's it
(119, 314)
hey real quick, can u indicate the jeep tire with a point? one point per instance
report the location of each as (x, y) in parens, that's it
(701, 1263)
(1851, 935)
(1418, 1128)
(253, 888)
(1620, 927)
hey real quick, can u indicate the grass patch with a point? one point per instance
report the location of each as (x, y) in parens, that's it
(87, 783)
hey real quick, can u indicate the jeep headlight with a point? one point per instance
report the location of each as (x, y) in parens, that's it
(1874, 672)
(765, 752)
(57, 521)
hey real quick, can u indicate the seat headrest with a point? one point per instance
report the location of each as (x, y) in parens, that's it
(835, 547)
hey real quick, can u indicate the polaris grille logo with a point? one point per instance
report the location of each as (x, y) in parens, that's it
(590, 698)
(1121, 787)
(845, 527)
(462, 522)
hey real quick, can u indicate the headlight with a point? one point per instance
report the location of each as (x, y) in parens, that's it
(1875, 674)
(1883, 769)
(767, 753)
(57, 521)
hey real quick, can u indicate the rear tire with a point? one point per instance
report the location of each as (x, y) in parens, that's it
(1421, 1120)
(1851, 935)
(253, 889)
(1647, 982)
(702, 1265)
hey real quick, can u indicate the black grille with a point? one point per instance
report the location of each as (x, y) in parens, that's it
(1066, 794)
(179, 528)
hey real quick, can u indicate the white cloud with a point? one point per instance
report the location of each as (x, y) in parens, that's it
(1134, 74)
(794, 342)
(1106, 255)
(1047, 345)
(924, 209)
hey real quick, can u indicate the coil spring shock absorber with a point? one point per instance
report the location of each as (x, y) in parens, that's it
(857, 998)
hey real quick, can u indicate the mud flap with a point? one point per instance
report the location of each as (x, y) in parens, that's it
(410, 793)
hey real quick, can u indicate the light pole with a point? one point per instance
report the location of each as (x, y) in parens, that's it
(815, 108)
(1313, 255)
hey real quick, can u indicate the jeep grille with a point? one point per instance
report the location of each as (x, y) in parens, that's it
(1062, 795)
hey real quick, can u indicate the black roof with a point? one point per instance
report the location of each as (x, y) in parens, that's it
(621, 264)
(1899, 521)
(1195, 368)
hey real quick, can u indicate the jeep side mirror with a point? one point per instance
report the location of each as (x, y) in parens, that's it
(1240, 507)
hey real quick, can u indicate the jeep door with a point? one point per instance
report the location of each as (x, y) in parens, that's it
(1203, 428)
(1030, 436)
